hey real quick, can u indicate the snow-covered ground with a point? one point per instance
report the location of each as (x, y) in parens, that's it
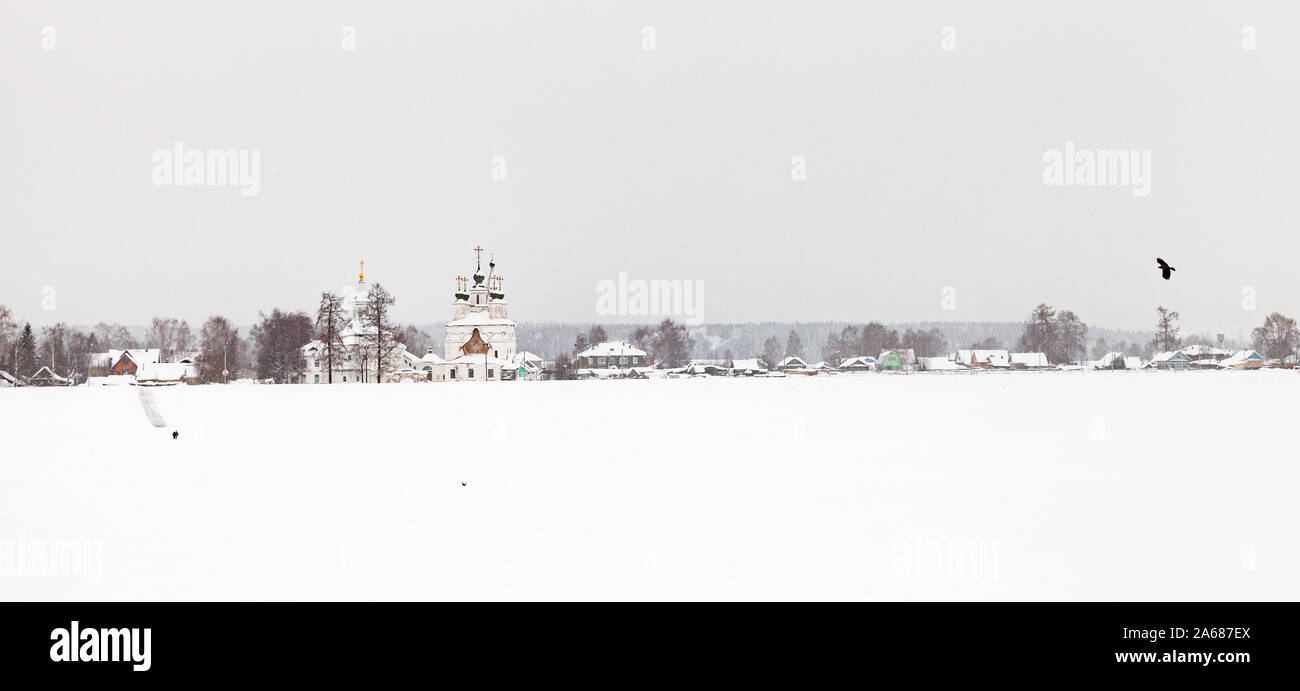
(1088, 485)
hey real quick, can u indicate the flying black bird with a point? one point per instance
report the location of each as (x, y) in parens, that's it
(463, 484)
(1164, 268)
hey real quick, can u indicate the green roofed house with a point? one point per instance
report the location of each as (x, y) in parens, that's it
(889, 360)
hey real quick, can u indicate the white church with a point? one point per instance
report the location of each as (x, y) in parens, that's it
(479, 345)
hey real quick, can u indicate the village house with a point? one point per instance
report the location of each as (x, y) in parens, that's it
(748, 367)
(861, 363)
(1171, 360)
(894, 360)
(983, 359)
(1112, 360)
(793, 362)
(617, 354)
(1029, 361)
(121, 362)
(168, 373)
(46, 377)
(1199, 353)
(938, 364)
(1243, 359)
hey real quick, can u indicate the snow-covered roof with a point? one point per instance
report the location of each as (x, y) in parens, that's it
(111, 380)
(1169, 355)
(615, 348)
(792, 361)
(1196, 351)
(1030, 359)
(748, 364)
(908, 355)
(46, 373)
(480, 318)
(996, 358)
(931, 364)
(1107, 361)
(861, 361)
(527, 357)
(475, 359)
(1240, 357)
(139, 356)
(9, 377)
(165, 371)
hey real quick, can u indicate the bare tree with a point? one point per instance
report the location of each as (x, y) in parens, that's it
(8, 340)
(278, 339)
(329, 326)
(1040, 330)
(171, 337)
(380, 337)
(1071, 336)
(112, 336)
(1277, 338)
(221, 349)
(1166, 329)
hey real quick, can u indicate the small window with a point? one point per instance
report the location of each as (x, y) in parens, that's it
(451, 374)
(471, 373)
(622, 360)
(489, 373)
(317, 363)
(345, 377)
(600, 360)
(317, 379)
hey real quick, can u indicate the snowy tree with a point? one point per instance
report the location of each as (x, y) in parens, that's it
(793, 345)
(64, 349)
(171, 337)
(8, 339)
(581, 343)
(671, 344)
(278, 339)
(1071, 336)
(1277, 338)
(1099, 348)
(1166, 329)
(597, 335)
(641, 337)
(989, 343)
(563, 367)
(926, 343)
(220, 348)
(329, 324)
(1040, 330)
(876, 338)
(25, 360)
(415, 340)
(380, 341)
(772, 351)
(112, 336)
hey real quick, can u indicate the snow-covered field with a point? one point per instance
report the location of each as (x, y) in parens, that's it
(1088, 485)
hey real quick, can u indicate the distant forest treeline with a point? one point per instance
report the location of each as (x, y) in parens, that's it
(714, 341)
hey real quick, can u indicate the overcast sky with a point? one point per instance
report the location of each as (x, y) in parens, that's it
(924, 165)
